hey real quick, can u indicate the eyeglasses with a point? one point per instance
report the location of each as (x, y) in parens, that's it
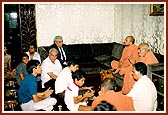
(59, 41)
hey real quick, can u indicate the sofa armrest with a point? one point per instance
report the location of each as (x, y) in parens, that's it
(157, 68)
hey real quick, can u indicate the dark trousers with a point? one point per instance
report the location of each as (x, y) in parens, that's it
(60, 101)
(50, 83)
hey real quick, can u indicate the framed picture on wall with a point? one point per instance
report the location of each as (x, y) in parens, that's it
(156, 9)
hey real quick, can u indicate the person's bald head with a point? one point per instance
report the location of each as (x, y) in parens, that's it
(129, 40)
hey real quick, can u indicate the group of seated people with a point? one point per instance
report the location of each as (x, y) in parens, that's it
(62, 80)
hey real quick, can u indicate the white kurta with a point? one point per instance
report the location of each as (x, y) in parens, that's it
(63, 80)
(144, 95)
(36, 56)
(70, 93)
(48, 66)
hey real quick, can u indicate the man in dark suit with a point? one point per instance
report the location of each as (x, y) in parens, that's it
(63, 54)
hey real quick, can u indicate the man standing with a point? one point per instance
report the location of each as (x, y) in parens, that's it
(63, 54)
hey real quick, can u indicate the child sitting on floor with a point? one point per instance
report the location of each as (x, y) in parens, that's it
(74, 101)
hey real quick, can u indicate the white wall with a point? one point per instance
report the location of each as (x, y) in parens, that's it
(135, 20)
(99, 23)
(77, 23)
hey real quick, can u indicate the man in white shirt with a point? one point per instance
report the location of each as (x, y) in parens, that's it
(143, 93)
(32, 53)
(65, 77)
(51, 67)
(64, 80)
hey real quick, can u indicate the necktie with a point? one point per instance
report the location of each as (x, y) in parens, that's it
(62, 54)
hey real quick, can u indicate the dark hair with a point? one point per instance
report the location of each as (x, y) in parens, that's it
(109, 83)
(32, 44)
(132, 39)
(72, 62)
(104, 106)
(78, 74)
(141, 67)
(24, 55)
(31, 65)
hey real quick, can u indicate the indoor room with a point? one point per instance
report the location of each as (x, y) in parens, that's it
(94, 35)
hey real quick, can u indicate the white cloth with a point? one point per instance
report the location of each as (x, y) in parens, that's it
(144, 95)
(70, 93)
(63, 80)
(59, 48)
(46, 104)
(48, 66)
(35, 57)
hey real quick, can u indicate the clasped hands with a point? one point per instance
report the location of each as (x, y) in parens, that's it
(89, 93)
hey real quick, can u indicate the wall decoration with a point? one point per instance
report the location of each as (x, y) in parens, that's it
(156, 9)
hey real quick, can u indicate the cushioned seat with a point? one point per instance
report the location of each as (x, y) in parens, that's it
(43, 53)
(94, 57)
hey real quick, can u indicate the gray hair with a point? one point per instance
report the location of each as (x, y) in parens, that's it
(53, 49)
(146, 45)
(57, 38)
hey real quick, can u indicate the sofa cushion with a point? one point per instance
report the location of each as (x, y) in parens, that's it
(103, 58)
(117, 50)
(101, 49)
(83, 54)
(77, 51)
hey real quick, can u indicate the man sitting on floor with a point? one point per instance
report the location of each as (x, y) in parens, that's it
(28, 96)
(117, 99)
(143, 93)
